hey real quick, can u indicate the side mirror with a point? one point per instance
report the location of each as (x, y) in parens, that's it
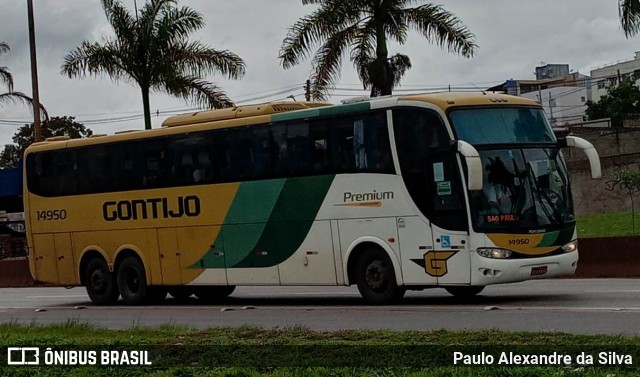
(474, 165)
(588, 149)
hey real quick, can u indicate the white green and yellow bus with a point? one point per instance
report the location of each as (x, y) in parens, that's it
(451, 190)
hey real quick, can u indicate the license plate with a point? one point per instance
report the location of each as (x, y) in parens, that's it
(538, 270)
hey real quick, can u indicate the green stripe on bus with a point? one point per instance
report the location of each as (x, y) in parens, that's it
(290, 221)
(345, 109)
(254, 201)
(322, 111)
(250, 210)
(548, 239)
(558, 237)
(294, 115)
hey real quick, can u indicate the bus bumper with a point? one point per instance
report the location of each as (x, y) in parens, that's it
(486, 271)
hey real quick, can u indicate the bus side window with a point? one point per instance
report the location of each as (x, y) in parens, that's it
(278, 149)
(299, 148)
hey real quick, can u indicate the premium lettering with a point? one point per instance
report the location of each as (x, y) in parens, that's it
(142, 209)
(351, 197)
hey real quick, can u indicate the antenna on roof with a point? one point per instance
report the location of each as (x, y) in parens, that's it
(476, 86)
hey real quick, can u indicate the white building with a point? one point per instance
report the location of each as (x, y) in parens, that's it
(609, 75)
(563, 105)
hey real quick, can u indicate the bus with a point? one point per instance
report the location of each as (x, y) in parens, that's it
(450, 190)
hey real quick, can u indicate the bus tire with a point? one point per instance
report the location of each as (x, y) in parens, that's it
(213, 293)
(132, 281)
(376, 278)
(100, 283)
(181, 293)
(465, 291)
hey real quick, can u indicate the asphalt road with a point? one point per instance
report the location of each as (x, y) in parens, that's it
(579, 306)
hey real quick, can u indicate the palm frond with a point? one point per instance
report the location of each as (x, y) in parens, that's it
(197, 59)
(328, 61)
(363, 51)
(442, 27)
(629, 11)
(94, 59)
(177, 24)
(122, 22)
(197, 91)
(6, 77)
(4, 47)
(400, 64)
(311, 30)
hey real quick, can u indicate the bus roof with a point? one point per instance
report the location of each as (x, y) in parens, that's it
(278, 111)
(446, 100)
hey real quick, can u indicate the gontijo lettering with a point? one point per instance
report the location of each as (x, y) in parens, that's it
(141, 209)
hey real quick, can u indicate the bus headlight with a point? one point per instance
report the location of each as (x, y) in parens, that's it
(570, 247)
(494, 253)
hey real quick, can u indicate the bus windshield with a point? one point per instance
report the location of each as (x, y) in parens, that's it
(526, 187)
(502, 125)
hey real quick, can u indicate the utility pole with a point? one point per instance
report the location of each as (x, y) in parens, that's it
(34, 74)
(307, 90)
(551, 108)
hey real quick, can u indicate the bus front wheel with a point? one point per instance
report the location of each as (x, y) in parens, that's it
(376, 278)
(132, 281)
(465, 291)
(100, 283)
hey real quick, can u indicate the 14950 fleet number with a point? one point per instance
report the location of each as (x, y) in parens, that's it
(51, 215)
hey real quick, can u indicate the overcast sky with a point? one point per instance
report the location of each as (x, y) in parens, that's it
(513, 38)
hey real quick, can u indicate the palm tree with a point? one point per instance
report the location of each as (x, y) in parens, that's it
(364, 27)
(7, 78)
(629, 11)
(151, 49)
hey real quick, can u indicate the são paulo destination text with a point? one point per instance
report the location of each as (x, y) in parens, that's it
(555, 358)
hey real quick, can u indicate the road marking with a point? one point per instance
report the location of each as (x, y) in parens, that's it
(615, 291)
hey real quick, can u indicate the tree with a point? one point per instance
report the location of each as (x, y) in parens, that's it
(629, 181)
(629, 11)
(365, 27)
(56, 126)
(6, 78)
(619, 101)
(151, 49)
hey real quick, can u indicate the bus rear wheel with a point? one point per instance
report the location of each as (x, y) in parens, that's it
(214, 293)
(132, 281)
(465, 291)
(376, 278)
(100, 283)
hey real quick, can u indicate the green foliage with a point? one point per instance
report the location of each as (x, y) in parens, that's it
(616, 104)
(56, 126)
(629, 11)
(364, 27)
(604, 225)
(151, 49)
(629, 181)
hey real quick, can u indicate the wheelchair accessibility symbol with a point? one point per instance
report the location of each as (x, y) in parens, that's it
(446, 241)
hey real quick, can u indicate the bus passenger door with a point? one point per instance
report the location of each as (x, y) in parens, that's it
(414, 236)
(195, 244)
(169, 256)
(451, 261)
(449, 222)
(44, 254)
(64, 259)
